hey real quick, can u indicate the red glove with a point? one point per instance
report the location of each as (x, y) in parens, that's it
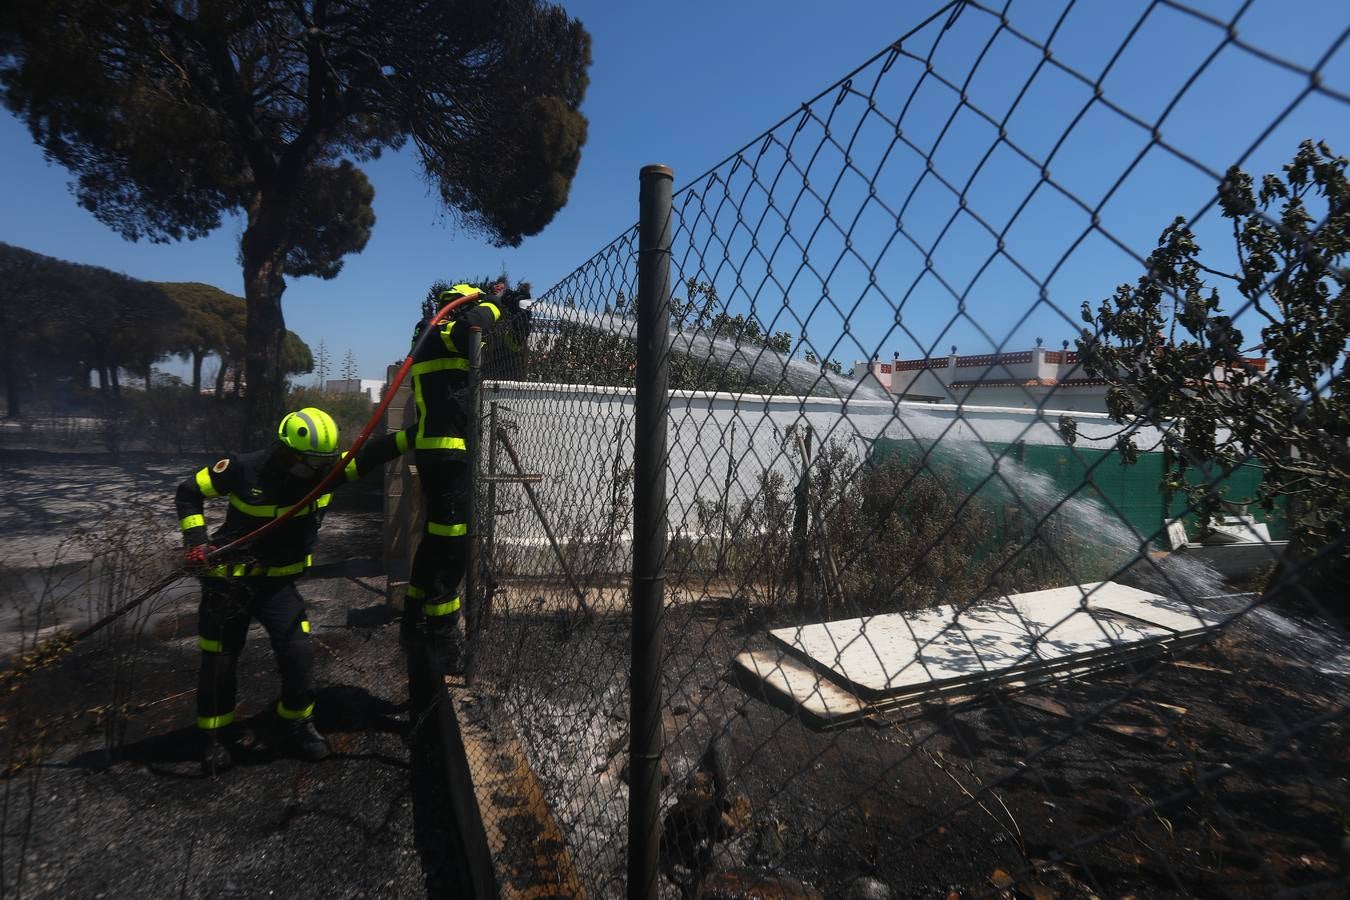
(196, 556)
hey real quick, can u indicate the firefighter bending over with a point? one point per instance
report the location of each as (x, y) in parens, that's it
(440, 375)
(261, 486)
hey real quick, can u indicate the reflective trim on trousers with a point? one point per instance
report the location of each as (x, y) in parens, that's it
(294, 714)
(211, 723)
(459, 529)
(193, 521)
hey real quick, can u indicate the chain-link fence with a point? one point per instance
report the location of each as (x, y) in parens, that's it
(950, 619)
(752, 618)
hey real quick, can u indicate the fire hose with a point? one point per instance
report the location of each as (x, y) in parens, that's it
(53, 648)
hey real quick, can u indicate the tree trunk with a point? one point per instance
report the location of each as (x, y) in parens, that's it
(264, 253)
(116, 385)
(197, 358)
(220, 377)
(11, 387)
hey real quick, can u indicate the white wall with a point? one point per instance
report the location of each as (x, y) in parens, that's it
(579, 436)
(371, 387)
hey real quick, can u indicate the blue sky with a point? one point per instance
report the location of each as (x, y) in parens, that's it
(689, 85)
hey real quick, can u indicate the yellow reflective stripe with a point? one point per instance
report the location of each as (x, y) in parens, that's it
(496, 311)
(249, 509)
(192, 521)
(294, 713)
(457, 530)
(442, 609)
(272, 512)
(460, 363)
(210, 723)
(304, 625)
(415, 592)
(351, 471)
(210, 646)
(401, 441)
(441, 443)
(421, 407)
(242, 570)
(204, 484)
(292, 569)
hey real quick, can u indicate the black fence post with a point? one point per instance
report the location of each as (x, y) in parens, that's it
(489, 529)
(471, 601)
(651, 408)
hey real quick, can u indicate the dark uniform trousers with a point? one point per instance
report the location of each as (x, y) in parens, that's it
(442, 556)
(227, 606)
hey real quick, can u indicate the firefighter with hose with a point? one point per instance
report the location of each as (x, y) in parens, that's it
(441, 392)
(262, 486)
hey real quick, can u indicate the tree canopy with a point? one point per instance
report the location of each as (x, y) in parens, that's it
(59, 320)
(62, 319)
(1174, 355)
(171, 115)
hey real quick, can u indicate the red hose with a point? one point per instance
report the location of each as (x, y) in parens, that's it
(360, 440)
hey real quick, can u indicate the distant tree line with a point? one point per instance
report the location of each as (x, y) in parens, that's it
(61, 320)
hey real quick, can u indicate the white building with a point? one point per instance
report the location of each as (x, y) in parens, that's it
(371, 387)
(1027, 379)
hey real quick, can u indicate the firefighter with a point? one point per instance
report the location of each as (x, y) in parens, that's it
(440, 384)
(261, 486)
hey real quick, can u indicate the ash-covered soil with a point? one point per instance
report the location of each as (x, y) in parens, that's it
(102, 791)
(1219, 772)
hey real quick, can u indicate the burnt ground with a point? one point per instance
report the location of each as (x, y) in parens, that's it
(102, 793)
(1221, 771)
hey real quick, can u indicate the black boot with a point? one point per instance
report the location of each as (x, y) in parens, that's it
(216, 756)
(443, 636)
(411, 630)
(305, 740)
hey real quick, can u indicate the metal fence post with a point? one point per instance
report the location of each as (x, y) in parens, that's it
(649, 528)
(801, 518)
(489, 529)
(471, 600)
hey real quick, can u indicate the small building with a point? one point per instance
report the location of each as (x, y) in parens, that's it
(1026, 379)
(371, 387)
